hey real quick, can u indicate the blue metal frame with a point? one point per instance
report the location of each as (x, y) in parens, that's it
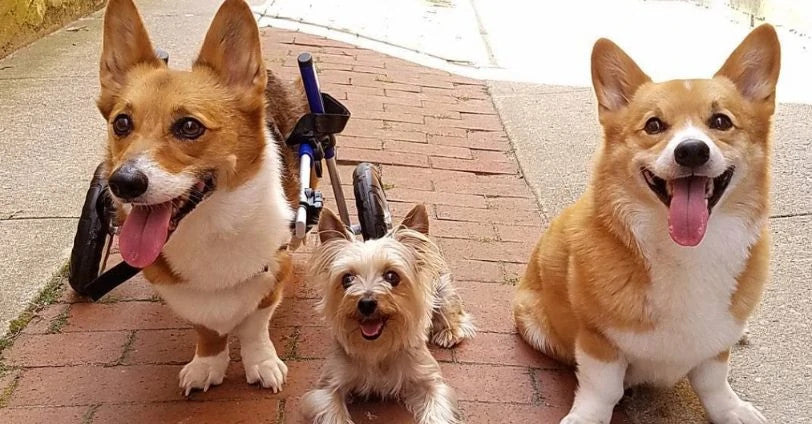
(306, 150)
(313, 92)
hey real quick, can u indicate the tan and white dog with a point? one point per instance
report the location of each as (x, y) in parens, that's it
(653, 273)
(199, 155)
(383, 300)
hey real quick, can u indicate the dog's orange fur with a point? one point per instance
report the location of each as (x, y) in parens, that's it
(235, 114)
(588, 274)
(239, 103)
(587, 264)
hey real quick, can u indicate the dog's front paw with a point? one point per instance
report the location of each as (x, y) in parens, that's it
(743, 413)
(203, 372)
(270, 373)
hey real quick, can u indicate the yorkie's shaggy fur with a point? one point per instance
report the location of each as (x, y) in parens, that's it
(382, 300)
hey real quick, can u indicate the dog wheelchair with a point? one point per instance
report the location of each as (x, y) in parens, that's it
(313, 136)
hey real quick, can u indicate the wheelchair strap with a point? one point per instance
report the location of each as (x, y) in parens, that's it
(122, 272)
(109, 280)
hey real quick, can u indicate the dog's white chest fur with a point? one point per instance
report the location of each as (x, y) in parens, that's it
(689, 299)
(221, 248)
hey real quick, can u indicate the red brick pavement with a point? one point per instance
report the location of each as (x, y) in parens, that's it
(439, 141)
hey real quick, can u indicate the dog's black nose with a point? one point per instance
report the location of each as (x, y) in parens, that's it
(127, 182)
(692, 153)
(367, 306)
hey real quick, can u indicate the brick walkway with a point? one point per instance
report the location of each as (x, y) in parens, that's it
(439, 141)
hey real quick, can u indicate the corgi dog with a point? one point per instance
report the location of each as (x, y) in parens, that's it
(651, 275)
(383, 300)
(204, 183)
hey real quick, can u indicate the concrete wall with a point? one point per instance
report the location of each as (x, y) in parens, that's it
(23, 21)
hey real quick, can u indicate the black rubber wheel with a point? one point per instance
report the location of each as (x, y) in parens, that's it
(370, 200)
(92, 234)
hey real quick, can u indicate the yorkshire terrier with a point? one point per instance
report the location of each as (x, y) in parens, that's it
(383, 299)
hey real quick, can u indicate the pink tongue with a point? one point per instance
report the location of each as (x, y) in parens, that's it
(371, 328)
(144, 234)
(688, 213)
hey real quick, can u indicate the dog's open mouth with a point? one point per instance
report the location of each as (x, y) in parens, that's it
(371, 328)
(147, 227)
(689, 201)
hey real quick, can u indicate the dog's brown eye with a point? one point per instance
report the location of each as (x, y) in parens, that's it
(346, 280)
(188, 129)
(391, 277)
(122, 125)
(654, 126)
(721, 122)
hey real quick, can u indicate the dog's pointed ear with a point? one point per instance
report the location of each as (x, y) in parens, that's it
(232, 49)
(331, 227)
(615, 76)
(417, 219)
(754, 65)
(125, 44)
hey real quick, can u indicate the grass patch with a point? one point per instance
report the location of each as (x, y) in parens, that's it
(128, 347)
(5, 395)
(59, 322)
(280, 415)
(88, 417)
(49, 294)
(292, 345)
(388, 186)
(109, 299)
(511, 280)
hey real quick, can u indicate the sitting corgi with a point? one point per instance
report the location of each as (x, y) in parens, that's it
(653, 273)
(200, 155)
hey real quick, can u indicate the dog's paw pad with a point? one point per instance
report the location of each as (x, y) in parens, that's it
(202, 373)
(270, 373)
(744, 413)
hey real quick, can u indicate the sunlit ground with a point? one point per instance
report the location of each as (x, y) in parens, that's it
(549, 42)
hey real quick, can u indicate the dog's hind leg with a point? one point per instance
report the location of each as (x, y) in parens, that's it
(541, 310)
(534, 327)
(450, 323)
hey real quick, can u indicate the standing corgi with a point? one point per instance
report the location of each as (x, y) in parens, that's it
(653, 273)
(199, 155)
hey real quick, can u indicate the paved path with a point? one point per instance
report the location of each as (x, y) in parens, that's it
(439, 141)
(549, 42)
